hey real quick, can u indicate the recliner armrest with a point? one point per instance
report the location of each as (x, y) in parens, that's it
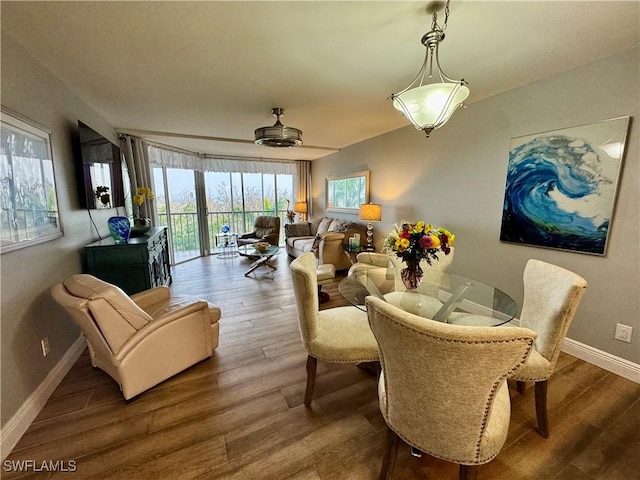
(249, 235)
(176, 315)
(151, 296)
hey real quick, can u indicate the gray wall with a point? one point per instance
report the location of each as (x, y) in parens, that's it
(28, 312)
(456, 179)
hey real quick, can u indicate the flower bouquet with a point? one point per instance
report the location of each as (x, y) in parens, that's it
(413, 242)
(291, 215)
(139, 221)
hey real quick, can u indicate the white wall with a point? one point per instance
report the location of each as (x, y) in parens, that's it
(456, 179)
(28, 312)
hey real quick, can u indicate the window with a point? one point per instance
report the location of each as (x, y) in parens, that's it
(345, 193)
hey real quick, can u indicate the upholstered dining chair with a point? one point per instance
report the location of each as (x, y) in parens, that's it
(378, 265)
(335, 335)
(551, 297)
(443, 388)
(140, 340)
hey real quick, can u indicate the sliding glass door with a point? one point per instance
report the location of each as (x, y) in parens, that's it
(177, 210)
(195, 205)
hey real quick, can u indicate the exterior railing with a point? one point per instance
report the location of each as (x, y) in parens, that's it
(185, 240)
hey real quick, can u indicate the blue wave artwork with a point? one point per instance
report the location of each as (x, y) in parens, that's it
(556, 195)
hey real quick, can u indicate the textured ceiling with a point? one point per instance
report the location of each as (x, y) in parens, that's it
(205, 71)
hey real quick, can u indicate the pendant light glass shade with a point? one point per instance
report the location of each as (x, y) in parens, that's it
(430, 106)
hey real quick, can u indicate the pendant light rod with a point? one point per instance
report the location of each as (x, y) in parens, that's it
(427, 102)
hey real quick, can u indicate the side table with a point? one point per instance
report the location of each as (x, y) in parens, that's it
(228, 242)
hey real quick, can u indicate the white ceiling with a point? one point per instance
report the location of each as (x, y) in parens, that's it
(215, 69)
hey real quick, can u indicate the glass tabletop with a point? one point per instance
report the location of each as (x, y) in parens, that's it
(251, 251)
(441, 296)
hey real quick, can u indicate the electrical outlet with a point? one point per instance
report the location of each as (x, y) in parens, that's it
(44, 343)
(623, 332)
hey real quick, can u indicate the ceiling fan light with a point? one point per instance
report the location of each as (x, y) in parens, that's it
(278, 135)
(430, 106)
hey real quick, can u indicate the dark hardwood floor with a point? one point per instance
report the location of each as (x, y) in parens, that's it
(239, 415)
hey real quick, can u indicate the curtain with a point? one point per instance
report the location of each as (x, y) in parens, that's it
(171, 158)
(140, 174)
(304, 183)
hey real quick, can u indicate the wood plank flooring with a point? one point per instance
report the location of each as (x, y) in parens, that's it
(239, 415)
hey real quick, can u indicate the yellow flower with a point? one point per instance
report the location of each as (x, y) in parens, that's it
(435, 241)
(138, 199)
(145, 192)
(402, 243)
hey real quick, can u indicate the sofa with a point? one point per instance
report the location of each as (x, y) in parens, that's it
(326, 237)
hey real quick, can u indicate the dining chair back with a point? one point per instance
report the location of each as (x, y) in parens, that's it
(337, 335)
(443, 387)
(551, 296)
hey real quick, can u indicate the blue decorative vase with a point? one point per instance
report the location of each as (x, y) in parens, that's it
(120, 229)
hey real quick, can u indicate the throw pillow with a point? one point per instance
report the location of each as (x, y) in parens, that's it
(324, 224)
(338, 225)
(298, 230)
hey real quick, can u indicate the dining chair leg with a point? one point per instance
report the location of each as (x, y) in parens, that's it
(521, 386)
(312, 363)
(468, 472)
(541, 408)
(389, 460)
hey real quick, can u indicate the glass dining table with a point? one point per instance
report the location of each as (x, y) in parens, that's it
(441, 296)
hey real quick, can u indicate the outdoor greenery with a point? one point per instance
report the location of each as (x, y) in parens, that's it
(234, 201)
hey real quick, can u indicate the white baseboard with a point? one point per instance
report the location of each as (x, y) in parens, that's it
(21, 420)
(611, 363)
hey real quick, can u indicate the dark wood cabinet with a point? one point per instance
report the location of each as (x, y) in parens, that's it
(138, 265)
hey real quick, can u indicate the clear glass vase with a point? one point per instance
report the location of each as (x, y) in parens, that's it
(411, 275)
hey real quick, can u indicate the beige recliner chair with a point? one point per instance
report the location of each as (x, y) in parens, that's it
(140, 340)
(265, 229)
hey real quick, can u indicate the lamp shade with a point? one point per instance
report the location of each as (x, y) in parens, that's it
(430, 106)
(371, 212)
(300, 207)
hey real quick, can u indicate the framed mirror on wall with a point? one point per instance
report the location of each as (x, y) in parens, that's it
(346, 192)
(28, 198)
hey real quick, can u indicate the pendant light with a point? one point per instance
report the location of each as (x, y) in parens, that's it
(430, 100)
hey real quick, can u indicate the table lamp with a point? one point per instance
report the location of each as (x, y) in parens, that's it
(372, 212)
(301, 207)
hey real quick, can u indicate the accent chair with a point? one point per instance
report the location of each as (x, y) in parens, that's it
(140, 340)
(265, 229)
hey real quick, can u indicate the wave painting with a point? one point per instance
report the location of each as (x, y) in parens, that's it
(559, 193)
